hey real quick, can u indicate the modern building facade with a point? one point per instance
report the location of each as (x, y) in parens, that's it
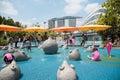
(90, 20)
(93, 16)
(63, 21)
(51, 23)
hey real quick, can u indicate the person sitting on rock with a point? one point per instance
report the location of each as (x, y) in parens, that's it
(95, 55)
(8, 58)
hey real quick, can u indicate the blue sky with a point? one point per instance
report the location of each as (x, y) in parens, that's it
(32, 11)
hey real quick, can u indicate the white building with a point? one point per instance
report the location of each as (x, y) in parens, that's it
(93, 16)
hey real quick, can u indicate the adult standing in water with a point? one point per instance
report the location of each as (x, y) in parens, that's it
(70, 38)
(45, 36)
(83, 39)
(39, 39)
(16, 40)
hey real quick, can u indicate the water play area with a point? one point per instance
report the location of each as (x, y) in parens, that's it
(44, 67)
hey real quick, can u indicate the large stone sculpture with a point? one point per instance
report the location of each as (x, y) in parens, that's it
(74, 55)
(10, 72)
(66, 72)
(89, 49)
(4, 48)
(50, 46)
(102, 46)
(20, 56)
(65, 47)
(85, 46)
(11, 49)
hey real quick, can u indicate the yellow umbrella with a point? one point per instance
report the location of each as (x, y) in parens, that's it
(34, 29)
(94, 27)
(65, 29)
(8, 28)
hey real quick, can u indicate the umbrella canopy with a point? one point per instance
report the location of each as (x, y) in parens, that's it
(94, 27)
(34, 29)
(8, 28)
(65, 29)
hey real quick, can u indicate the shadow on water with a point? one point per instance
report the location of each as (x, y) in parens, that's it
(21, 75)
(52, 53)
(113, 55)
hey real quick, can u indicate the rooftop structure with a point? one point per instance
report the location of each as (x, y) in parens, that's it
(63, 21)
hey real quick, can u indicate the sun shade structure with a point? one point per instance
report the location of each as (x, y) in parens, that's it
(64, 29)
(34, 29)
(8, 28)
(93, 27)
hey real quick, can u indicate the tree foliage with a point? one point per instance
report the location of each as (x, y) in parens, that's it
(9, 21)
(111, 17)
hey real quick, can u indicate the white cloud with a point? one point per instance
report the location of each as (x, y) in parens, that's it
(34, 19)
(75, 1)
(73, 6)
(29, 24)
(7, 8)
(72, 9)
(36, 0)
(90, 7)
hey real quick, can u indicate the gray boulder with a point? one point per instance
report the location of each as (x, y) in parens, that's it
(89, 49)
(10, 72)
(74, 55)
(102, 46)
(65, 47)
(50, 46)
(20, 56)
(85, 46)
(66, 72)
(4, 47)
(11, 49)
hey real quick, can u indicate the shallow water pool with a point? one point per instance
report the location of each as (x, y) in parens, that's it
(44, 67)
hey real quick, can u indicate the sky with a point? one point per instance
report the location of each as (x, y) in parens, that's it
(30, 12)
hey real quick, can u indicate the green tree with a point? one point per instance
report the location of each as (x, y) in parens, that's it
(111, 17)
(18, 24)
(10, 21)
(1, 19)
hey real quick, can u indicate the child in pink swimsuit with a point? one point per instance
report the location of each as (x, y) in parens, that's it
(8, 58)
(109, 46)
(95, 55)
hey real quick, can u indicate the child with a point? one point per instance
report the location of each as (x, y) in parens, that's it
(8, 58)
(93, 42)
(66, 41)
(109, 46)
(39, 39)
(10, 41)
(28, 45)
(95, 55)
(73, 40)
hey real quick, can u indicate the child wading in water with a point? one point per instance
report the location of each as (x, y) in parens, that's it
(109, 46)
(28, 45)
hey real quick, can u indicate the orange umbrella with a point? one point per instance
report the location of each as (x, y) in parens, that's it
(94, 27)
(35, 29)
(64, 29)
(8, 28)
